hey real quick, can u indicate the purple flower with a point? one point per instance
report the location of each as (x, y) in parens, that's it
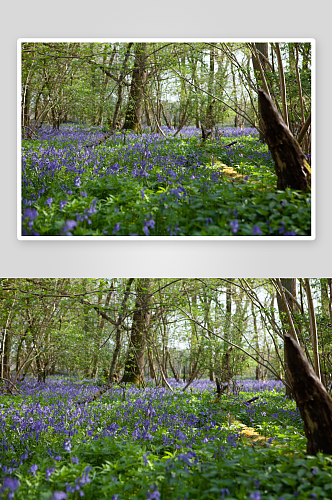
(67, 445)
(282, 229)
(290, 233)
(153, 495)
(49, 201)
(148, 223)
(69, 225)
(234, 226)
(59, 495)
(49, 472)
(224, 491)
(30, 213)
(33, 469)
(84, 194)
(208, 221)
(75, 460)
(92, 208)
(63, 203)
(116, 227)
(255, 496)
(283, 202)
(142, 193)
(58, 458)
(182, 436)
(173, 232)
(77, 182)
(256, 231)
(10, 483)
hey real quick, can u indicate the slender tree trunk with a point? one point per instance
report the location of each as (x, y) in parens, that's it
(290, 285)
(259, 66)
(282, 85)
(313, 328)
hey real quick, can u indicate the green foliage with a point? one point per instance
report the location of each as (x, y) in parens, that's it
(216, 465)
(126, 194)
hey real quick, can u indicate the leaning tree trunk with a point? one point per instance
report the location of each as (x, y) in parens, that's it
(134, 365)
(312, 399)
(290, 163)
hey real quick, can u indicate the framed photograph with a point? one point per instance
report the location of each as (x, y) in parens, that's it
(166, 139)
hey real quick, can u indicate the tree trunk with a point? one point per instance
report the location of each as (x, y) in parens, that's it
(135, 103)
(134, 364)
(312, 399)
(290, 164)
(262, 48)
(290, 285)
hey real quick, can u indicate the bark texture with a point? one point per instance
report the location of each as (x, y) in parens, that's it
(290, 285)
(134, 365)
(135, 103)
(290, 163)
(313, 401)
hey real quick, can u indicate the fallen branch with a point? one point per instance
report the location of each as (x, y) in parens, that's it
(11, 383)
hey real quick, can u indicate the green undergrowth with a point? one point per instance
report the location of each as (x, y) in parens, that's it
(198, 454)
(164, 187)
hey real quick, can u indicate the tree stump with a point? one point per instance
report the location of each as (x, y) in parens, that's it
(290, 163)
(312, 399)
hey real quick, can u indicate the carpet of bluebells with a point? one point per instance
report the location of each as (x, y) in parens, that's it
(152, 443)
(150, 185)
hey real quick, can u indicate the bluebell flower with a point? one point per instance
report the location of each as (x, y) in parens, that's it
(33, 469)
(282, 229)
(116, 227)
(234, 226)
(148, 223)
(208, 221)
(256, 231)
(59, 495)
(49, 201)
(67, 445)
(153, 495)
(69, 225)
(49, 472)
(30, 213)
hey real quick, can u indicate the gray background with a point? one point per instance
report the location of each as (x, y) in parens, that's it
(181, 19)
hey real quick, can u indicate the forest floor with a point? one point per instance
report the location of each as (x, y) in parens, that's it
(156, 444)
(150, 185)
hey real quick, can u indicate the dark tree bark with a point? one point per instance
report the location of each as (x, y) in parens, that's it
(135, 103)
(134, 365)
(312, 399)
(290, 163)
